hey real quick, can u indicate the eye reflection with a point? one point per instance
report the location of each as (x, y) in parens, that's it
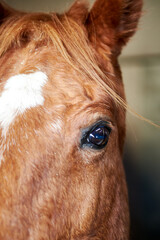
(97, 136)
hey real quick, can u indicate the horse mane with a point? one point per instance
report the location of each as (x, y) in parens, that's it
(68, 37)
(64, 33)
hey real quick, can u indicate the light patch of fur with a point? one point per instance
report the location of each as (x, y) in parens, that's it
(21, 92)
(2, 150)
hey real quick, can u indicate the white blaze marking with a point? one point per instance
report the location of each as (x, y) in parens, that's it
(21, 92)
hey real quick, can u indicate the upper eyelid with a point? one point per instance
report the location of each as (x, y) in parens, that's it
(97, 123)
(86, 130)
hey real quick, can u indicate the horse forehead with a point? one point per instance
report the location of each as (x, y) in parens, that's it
(25, 91)
(62, 85)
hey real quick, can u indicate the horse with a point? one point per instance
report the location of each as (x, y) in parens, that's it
(62, 122)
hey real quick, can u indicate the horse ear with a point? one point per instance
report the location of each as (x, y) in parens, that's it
(5, 11)
(113, 22)
(79, 11)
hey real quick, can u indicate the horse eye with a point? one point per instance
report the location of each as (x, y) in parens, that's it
(97, 137)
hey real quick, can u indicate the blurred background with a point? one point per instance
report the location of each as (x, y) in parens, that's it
(140, 64)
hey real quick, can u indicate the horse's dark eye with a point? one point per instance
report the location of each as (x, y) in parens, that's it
(97, 136)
